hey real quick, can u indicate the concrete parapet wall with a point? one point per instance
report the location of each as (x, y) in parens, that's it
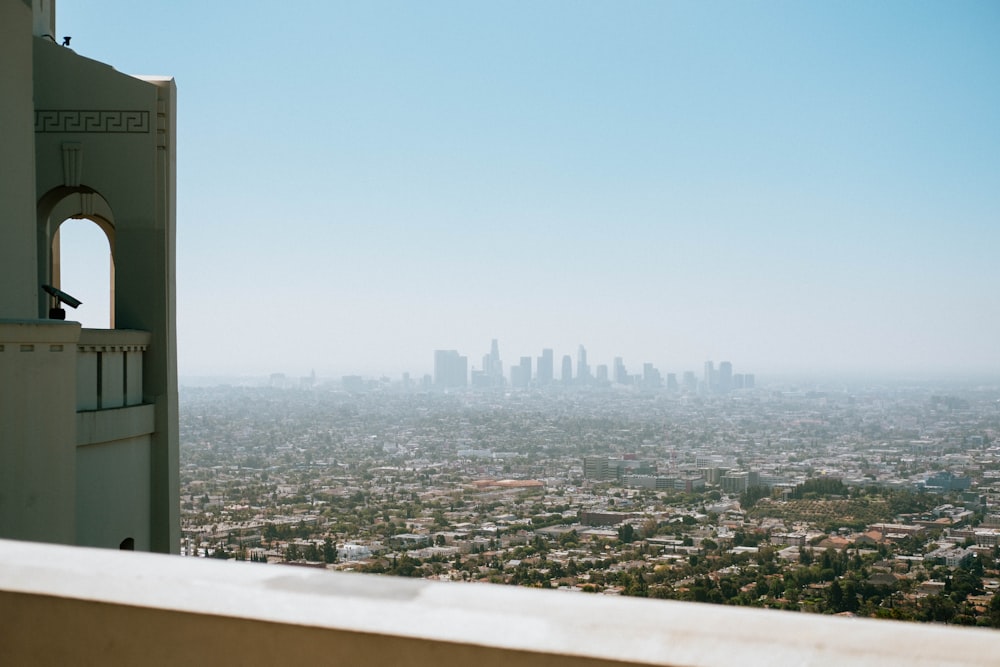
(61, 605)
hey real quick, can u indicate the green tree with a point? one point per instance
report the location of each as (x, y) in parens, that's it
(329, 551)
(835, 597)
(850, 597)
(993, 613)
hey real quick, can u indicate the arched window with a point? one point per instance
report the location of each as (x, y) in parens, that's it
(83, 266)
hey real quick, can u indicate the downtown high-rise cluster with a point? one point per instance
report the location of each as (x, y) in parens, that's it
(451, 371)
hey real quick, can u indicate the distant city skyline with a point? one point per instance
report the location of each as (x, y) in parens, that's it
(452, 370)
(796, 187)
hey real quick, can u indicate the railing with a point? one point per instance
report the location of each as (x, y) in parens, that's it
(68, 605)
(109, 368)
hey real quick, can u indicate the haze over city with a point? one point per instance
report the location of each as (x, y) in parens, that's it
(793, 187)
(684, 302)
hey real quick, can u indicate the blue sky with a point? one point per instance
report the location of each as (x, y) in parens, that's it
(795, 187)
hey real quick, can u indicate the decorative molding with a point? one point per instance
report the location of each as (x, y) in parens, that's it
(111, 347)
(72, 163)
(105, 122)
(87, 203)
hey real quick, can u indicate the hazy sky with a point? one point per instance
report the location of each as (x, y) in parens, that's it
(786, 185)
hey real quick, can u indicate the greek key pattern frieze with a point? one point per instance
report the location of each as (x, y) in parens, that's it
(107, 122)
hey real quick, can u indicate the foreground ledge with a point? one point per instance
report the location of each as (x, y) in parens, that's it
(70, 605)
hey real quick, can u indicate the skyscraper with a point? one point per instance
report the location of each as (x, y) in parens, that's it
(544, 369)
(492, 366)
(725, 376)
(582, 369)
(651, 378)
(451, 370)
(690, 381)
(619, 375)
(602, 373)
(520, 375)
(495, 368)
(567, 369)
(709, 378)
(491, 374)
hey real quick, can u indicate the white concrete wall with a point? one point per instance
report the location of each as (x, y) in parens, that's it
(100, 426)
(38, 430)
(18, 286)
(86, 381)
(112, 493)
(61, 605)
(133, 380)
(113, 380)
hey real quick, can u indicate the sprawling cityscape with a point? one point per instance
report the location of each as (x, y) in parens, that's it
(550, 334)
(870, 499)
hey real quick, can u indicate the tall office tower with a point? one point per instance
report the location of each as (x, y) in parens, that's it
(602, 373)
(690, 381)
(596, 468)
(89, 439)
(492, 366)
(748, 380)
(725, 376)
(651, 378)
(567, 369)
(451, 370)
(672, 382)
(619, 375)
(582, 369)
(517, 377)
(441, 366)
(737, 380)
(496, 366)
(520, 375)
(544, 368)
(708, 378)
(479, 379)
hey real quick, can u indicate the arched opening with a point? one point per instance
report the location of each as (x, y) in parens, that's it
(76, 250)
(128, 544)
(83, 266)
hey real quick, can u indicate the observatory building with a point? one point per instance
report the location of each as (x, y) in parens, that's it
(88, 417)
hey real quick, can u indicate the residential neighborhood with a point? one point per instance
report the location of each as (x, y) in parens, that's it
(877, 501)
